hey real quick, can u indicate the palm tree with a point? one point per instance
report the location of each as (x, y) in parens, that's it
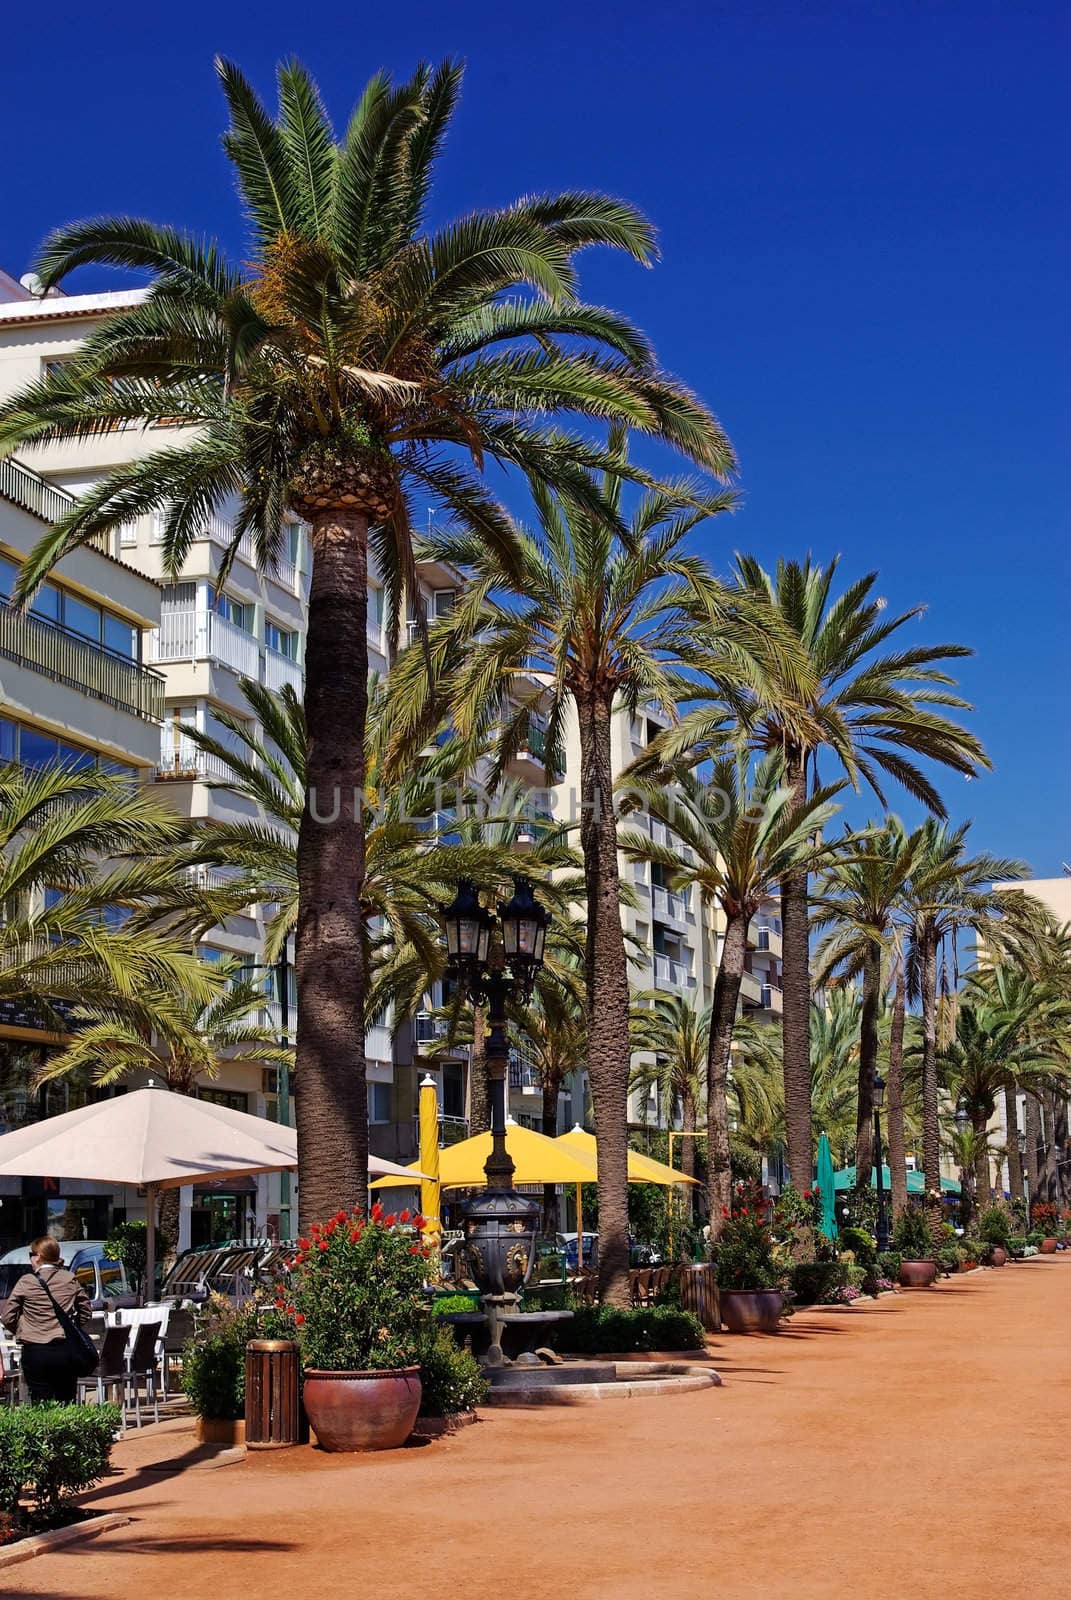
(757, 1085)
(355, 360)
(603, 621)
(873, 712)
(856, 903)
(747, 829)
(675, 1031)
(79, 850)
(948, 891)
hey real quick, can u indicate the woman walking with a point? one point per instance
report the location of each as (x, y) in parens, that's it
(30, 1314)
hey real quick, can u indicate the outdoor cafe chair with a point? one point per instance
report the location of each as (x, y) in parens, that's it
(141, 1367)
(112, 1372)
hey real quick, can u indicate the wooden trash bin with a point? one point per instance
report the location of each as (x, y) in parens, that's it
(699, 1294)
(272, 1395)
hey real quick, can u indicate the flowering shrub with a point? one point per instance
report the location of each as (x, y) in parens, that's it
(995, 1226)
(356, 1299)
(795, 1210)
(843, 1295)
(744, 1254)
(213, 1359)
(1045, 1215)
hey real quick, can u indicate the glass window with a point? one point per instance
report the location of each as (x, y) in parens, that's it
(375, 609)
(9, 740)
(46, 603)
(293, 542)
(444, 602)
(115, 916)
(280, 640)
(53, 896)
(8, 569)
(379, 1095)
(120, 636)
(81, 617)
(72, 756)
(36, 749)
(234, 611)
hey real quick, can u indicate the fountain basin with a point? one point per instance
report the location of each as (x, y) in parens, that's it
(584, 1383)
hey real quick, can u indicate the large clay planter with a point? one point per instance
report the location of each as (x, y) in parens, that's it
(751, 1310)
(1048, 1247)
(351, 1411)
(997, 1256)
(917, 1274)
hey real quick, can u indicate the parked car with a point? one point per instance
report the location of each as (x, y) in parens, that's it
(567, 1245)
(103, 1280)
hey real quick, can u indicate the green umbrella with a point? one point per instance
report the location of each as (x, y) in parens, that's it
(916, 1181)
(825, 1182)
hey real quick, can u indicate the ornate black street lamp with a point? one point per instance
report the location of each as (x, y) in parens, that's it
(496, 960)
(878, 1100)
(1021, 1141)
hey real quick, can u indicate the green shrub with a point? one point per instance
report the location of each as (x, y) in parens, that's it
(213, 1359)
(911, 1235)
(448, 1303)
(995, 1226)
(601, 1330)
(973, 1249)
(50, 1453)
(1035, 1237)
(889, 1264)
(1016, 1245)
(856, 1276)
(949, 1257)
(743, 1254)
(863, 1245)
(451, 1380)
(812, 1282)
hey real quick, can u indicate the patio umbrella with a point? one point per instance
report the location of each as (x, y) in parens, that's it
(916, 1181)
(156, 1140)
(640, 1169)
(536, 1159)
(825, 1181)
(430, 1203)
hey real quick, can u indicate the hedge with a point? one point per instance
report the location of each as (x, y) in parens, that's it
(604, 1330)
(50, 1453)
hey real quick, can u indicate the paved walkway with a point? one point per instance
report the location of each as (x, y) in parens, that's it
(914, 1446)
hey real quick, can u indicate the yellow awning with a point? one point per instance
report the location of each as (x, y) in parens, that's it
(641, 1168)
(536, 1159)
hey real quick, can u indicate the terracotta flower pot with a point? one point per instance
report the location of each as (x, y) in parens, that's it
(967, 1266)
(997, 1256)
(351, 1411)
(917, 1274)
(751, 1310)
(221, 1430)
(1048, 1247)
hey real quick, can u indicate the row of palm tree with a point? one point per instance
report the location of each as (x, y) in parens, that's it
(358, 359)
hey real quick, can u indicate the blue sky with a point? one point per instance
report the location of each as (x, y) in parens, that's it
(864, 218)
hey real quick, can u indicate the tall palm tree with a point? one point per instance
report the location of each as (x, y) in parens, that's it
(353, 361)
(747, 829)
(79, 851)
(947, 893)
(874, 710)
(856, 903)
(757, 1085)
(603, 620)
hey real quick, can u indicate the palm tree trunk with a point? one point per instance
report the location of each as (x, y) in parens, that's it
(1015, 1164)
(719, 1046)
(1033, 1140)
(1059, 1145)
(796, 986)
(868, 1066)
(479, 1103)
(1047, 1170)
(931, 1128)
(896, 1141)
(982, 1188)
(606, 973)
(688, 1128)
(332, 1100)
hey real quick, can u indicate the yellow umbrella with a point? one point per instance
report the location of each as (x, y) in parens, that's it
(536, 1159)
(640, 1168)
(429, 1162)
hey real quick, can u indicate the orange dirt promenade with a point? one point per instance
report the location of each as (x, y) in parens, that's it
(916, 1446)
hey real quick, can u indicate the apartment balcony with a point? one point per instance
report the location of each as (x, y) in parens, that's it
(522, 1075)
(187, 763)
(529, 763)
(65, 657)
(773, 999)
(205, 636)
(280, 671)
(671, 974)
(427, 1029)
(669, 905)
(767, 938)
(451, 1131)
(221, 533)
(751, 991)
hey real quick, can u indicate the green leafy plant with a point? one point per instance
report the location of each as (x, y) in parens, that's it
(889, 1264)
(813, 1282)
(1016, 1245)
(213, 1358)
(602, 1330)
(49, 1454)
(451, 1380)
(446, 1303)
(862, 1244)
(911, 1235)
(744, 1257)
(127, 1243)
(995, 1226)
(357, 1299)
(949, 1257)
(1045, 1216)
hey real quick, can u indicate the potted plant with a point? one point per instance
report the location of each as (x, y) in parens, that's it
(994, 1230)
(213, 1362)
(357, 1306)
(1046, 1220)
(914, 1242)
(748, 1278)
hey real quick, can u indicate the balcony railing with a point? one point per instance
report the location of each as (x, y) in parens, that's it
(669, 903)
(670, 974)
(451, 1129)
(426, 1028)
(192, 635)
(772, 998)
(26, 488)
(59, 653)
(522, 1075)
(188, 762)
(280, 670)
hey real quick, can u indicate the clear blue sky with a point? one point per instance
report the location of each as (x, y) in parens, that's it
(864, 218)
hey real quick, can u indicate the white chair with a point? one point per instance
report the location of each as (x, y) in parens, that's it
(132, 1318)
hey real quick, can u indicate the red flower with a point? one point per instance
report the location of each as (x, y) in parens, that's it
(339, 1217)
(403, 1216)
(418, 1220)
(416, 1250)
(390, 1219)
(299, 1317)
(355, 1234)
(725, 1211)
(315, 1229)
(281, 1305)
(377, 1212)
(324, 1245)
(303, 1244)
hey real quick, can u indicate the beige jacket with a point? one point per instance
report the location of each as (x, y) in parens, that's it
(28, 1313)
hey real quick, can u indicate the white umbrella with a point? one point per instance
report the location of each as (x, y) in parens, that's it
(156, 1140)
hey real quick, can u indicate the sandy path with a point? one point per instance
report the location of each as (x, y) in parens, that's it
(913, 1446)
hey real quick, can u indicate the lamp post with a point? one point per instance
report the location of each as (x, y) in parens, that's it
(495, 960)
(1021, 1141)
(963, 1122)
(878, 1100)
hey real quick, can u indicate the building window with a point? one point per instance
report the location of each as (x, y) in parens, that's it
(283, 642)
(379, 1102)
(241, 615)
(453, 1089)
(233, 1099)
